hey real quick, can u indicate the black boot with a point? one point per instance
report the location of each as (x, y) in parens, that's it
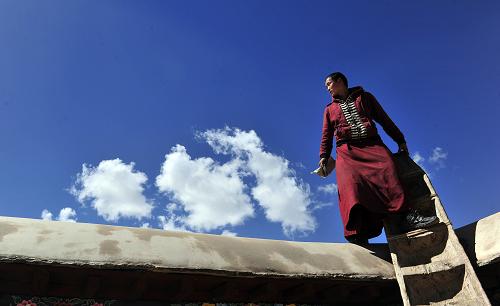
(414, 220)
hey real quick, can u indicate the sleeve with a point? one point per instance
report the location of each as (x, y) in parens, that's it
(326, 136)
(381, 117)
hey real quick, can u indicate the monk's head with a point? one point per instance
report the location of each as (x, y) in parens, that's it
(336, 84)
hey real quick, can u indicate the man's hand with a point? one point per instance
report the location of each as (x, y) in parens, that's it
(327, 165)
(403, 148)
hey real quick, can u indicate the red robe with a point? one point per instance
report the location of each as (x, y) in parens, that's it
(368, 184)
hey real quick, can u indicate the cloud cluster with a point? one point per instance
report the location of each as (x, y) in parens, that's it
(329, 188)
(114, 189)
(437, 159)
(212, 195)
(204, 195)
(228, 233)
(283, 197)
(172, 223)
(46, 215)
(66, 214)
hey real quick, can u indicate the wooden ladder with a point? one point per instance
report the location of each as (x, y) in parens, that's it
(430, 264)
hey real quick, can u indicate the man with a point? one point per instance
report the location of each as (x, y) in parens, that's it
(368, 185)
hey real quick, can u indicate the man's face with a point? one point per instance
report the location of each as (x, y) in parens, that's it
(334, 87)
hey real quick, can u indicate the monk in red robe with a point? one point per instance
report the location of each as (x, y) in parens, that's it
(368, 185)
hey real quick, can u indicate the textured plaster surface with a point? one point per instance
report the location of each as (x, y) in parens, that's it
(37, 241)
(481, 239)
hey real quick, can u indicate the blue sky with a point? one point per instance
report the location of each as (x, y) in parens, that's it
(206, 115)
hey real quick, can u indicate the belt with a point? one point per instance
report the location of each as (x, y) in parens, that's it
(358, 141)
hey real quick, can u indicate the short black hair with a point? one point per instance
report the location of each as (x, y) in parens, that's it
(338, 75)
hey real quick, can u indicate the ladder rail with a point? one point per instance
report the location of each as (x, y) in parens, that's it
(430, 264)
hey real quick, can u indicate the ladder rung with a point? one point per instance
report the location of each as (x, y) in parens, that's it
(416, 233)
(433, 267)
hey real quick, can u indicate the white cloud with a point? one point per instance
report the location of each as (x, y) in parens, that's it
(419, 159)
(320, 205)
(284, 198)
(66, 214)
(228, 233)
(172, 223)
(436, 161)
(46, 215)
(172, 207)
(329, 188)
(438, 157)
(115, 190)
(212, 195)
